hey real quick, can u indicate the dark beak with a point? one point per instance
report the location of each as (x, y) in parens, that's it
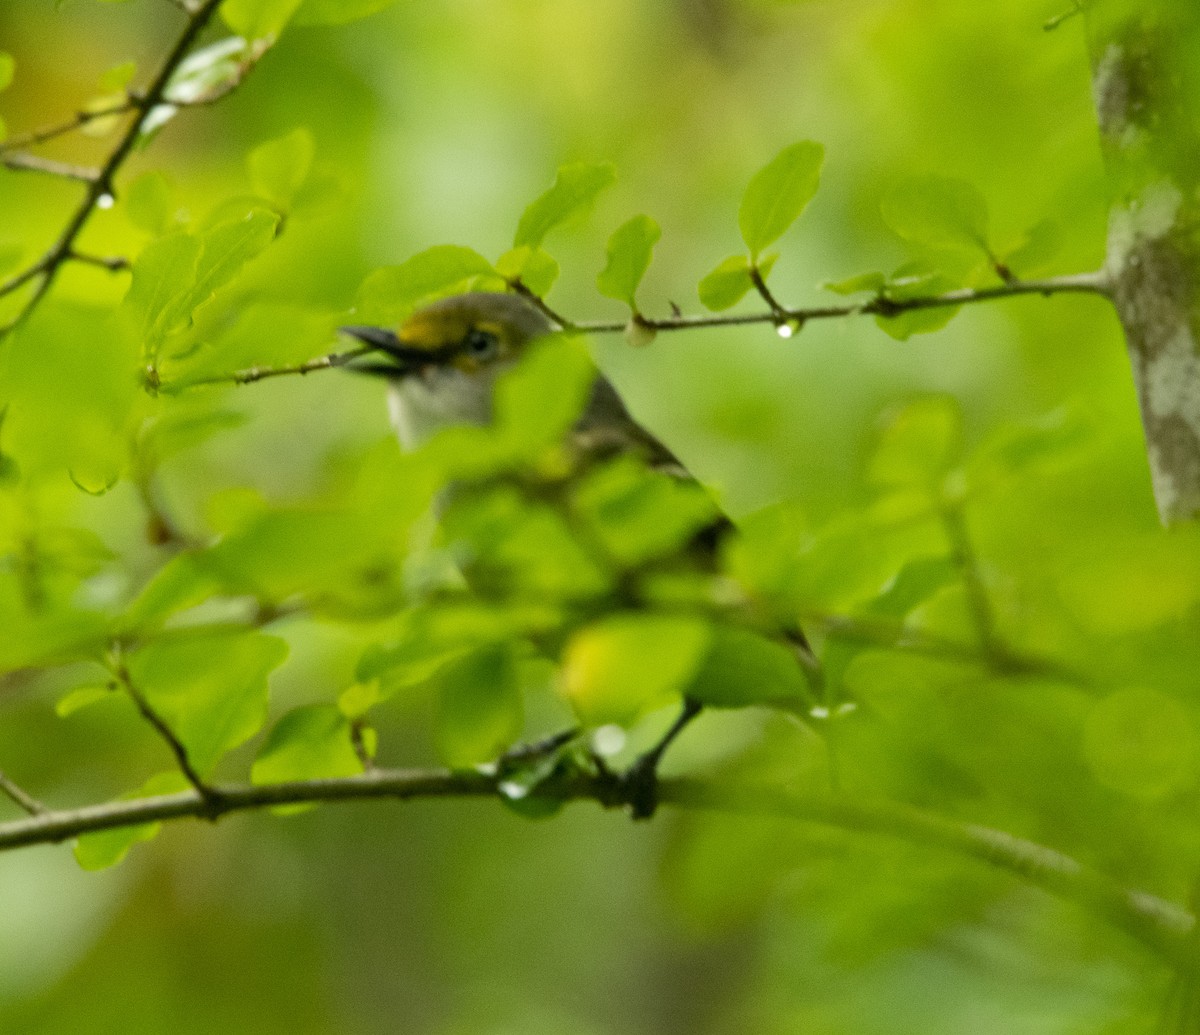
(406, 359)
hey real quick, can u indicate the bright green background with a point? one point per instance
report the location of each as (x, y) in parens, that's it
(437, 123)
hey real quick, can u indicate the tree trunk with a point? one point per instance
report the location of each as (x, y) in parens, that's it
(1146, 82)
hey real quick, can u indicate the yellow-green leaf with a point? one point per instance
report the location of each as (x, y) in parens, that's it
(629, 252)
(778, 193)
(575, 190)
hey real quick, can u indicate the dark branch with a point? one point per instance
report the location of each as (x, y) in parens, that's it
(101, 186)
(160, 725)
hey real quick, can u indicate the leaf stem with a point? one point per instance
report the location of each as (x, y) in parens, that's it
(21, 797)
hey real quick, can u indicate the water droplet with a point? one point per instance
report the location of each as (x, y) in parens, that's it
(608, 741)
(785, 330)
(105, 200)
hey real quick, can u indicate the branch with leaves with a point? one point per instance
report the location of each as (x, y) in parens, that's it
(184, 78)
(1160, 925)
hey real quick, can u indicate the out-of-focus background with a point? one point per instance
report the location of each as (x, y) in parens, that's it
(437, 122)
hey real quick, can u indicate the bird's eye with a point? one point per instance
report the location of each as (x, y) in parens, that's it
(482, 344)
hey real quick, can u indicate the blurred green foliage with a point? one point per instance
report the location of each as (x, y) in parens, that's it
(963, 523)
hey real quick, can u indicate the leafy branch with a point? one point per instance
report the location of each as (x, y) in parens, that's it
(100, 189)
(1159, 924)
(782, 316)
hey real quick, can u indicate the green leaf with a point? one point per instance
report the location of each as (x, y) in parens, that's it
(226, 249)
(148, 203)
(106, 848)
(533, 267)
(71, 386)
(917, 280)
(778, 193)
(575, 190)
(209, 687)
(338, 12)
(118, 77)
(540, 398)
(915, 583)
(727, 285)
(937, 211)
(308, 743)
(639, 514)
(1140, 742)
(873, 282)
(83, 697)
(157, 292)
(920, 445)
(743, 668)
(263, 335)
(173, 276)
(624, 666)
(8, 68)
(258, 19)
(279, 167)
(629, 252)
(480, 712)
(1042, 242)
(3, 131)
(390, 294)
(183, 582)
(522, 545)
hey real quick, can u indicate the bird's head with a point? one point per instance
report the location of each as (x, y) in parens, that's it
(473, 334)
(443, 361)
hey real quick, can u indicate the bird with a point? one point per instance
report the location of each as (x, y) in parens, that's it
(442, 365)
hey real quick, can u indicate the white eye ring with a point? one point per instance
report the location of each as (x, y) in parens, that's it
(481, 344)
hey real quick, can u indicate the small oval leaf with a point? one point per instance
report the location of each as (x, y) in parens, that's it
(778, 193)
(629, 252)
(575, 190)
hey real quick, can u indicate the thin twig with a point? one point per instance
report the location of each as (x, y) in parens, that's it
(58, 129)
(967, 561)
(48, 266)
(21, 797)
(760, 285)
(245, 377)
(147, 712)
(112, 263)
(539, 303)
(19, 161)
(881, 305)
(1078, 283)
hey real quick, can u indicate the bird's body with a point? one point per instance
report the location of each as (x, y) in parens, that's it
(443, 364)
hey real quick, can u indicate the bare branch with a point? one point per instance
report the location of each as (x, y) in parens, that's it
(245, 377)
(19, 161)
(1162, 926)
(21, 797)
(112, 263)
(58, 129)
